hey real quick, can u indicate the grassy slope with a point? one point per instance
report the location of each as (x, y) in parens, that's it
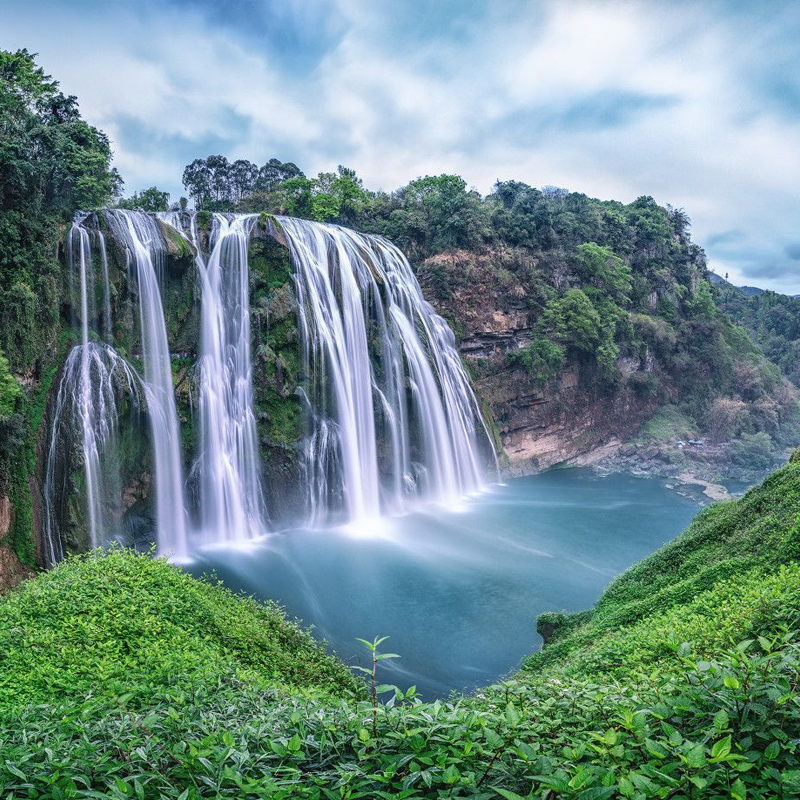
(130, 625)
(727, 545)
(653, 694)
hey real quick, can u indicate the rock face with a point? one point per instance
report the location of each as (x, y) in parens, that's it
(11, 571)
(568, 420)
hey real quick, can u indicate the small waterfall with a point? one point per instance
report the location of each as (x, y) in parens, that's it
(228, 464)
(388, 395)
(86, 402)
(147, 252)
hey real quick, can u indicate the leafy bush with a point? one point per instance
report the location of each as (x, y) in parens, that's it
(754, 450)
(542, 359)
(126, 624)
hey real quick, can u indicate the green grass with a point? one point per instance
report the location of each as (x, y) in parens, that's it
(127, 624)
(669, 423)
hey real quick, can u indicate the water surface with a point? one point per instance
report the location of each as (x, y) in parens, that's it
(459, 591)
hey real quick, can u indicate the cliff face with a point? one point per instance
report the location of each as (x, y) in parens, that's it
(570, 419)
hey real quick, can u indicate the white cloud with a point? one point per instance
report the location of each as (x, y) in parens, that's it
(493, 91)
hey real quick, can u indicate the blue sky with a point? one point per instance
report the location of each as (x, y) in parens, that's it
(696, 103)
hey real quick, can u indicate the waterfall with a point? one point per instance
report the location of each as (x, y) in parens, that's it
(392, 413)
(86, 402)
(147, 252)
(391, 416)
(228, 464)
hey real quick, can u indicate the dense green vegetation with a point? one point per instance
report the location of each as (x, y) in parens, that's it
(683, 682)
(52, 162)
(772, 319)
(127, 624)
(618, 290)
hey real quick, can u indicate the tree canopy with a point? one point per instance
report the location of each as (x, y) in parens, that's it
(52, 162)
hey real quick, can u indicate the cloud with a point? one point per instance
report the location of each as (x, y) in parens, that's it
(696, 104)
(725, 238)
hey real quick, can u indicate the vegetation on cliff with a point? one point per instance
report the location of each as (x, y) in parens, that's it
(772, 319)
(125, 678)
(52, 162)
(617, 293)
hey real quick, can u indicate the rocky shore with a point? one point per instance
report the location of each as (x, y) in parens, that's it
(702, 471)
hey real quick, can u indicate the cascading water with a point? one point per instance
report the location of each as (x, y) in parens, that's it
(391, 414)
(369, 341)
(228, 464)
(86, 402)
(147, 252)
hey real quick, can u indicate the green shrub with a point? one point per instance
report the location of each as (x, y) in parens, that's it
(754, 450)
(127, 624)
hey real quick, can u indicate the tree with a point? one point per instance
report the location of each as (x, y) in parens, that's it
(52, 162)
(197, 180)
(274, 173)
(574, 321)
(152, 199)
(606, 270)
(728, 418)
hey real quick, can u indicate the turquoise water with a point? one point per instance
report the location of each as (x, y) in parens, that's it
(458, 591)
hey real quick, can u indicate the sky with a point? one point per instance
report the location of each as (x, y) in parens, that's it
(696, 103)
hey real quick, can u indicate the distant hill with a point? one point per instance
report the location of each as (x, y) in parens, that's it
(749, 291)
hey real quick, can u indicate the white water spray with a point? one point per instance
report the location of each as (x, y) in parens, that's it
(383, 368)
(147, 252)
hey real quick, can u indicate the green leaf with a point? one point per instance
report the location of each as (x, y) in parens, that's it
(739, 790)
(512, 715)
(597, 793)
(451, 775)
(721, 748)
(492, 739)
(656, 748)
(696, 757)
(731, 682)
(721, 720)
(14, 771)
(580, 779)
(626, 788)
(509, 795)
(772, 751)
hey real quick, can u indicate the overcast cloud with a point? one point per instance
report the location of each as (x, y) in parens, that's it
(694, 103)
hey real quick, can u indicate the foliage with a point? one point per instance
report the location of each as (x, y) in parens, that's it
(215, 184)
(755, 449)
(542, 359)
(128, 624)
(10, 390)
(152, 199)
(773, 321)
(669, 423)
(682, 683)
(51, 163)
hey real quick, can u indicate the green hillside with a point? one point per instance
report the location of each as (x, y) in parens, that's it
(125, 678)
